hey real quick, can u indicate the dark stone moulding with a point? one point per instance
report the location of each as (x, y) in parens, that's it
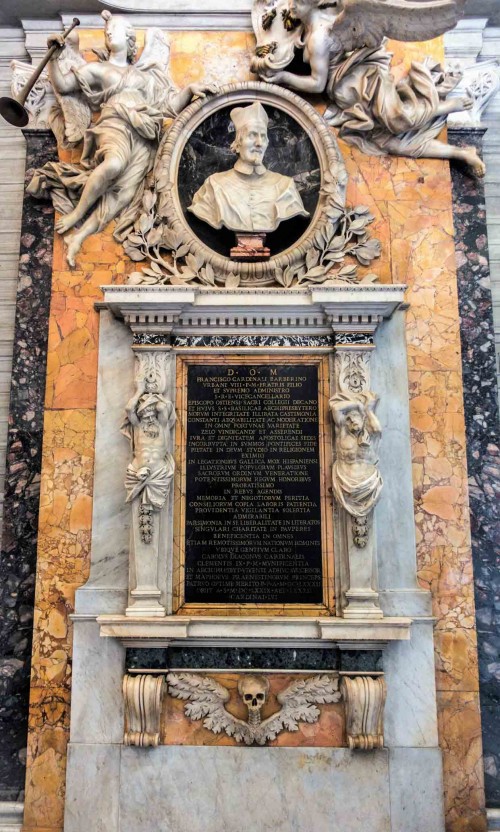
(146, 339)
(217, 341)
(23, 467)
(248, 658)
(483, 446)
(354, 338)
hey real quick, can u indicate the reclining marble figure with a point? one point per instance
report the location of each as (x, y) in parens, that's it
(344, 45)
(249, 197)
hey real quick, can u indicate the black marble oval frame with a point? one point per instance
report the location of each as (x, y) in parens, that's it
(324, 143)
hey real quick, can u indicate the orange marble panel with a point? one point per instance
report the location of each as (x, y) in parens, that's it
(460, 736)
(46, 763)
(64, 538)
(178, 729)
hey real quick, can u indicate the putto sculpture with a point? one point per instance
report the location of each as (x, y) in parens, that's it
(343, 44)
(249, 197)
(132, 98)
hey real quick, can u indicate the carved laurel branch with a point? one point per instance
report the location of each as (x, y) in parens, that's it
(173, 261)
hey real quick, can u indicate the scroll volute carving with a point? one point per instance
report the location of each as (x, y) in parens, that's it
(143, 696)
(364, 698)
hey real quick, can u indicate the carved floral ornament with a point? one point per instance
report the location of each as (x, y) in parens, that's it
(162, 235)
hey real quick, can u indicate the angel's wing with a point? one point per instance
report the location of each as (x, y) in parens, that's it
(277, 33)
(206, 701)
(71, 115)
(156, 50)
(299, 703)
(367, 22)
(76, 115)
(154, 62)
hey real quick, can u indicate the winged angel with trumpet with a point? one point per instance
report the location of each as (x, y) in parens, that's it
(132, 98)
(343, 44)
(207, 701)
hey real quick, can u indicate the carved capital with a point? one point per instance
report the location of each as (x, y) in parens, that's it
(352, 370)
(151, 368)
(364, 698)
(481, 83)
(41, 98)
(143, 696)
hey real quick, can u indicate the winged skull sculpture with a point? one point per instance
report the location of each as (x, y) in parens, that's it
(207, 700)
(342, 41)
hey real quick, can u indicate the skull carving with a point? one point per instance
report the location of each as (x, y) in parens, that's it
(253, 690)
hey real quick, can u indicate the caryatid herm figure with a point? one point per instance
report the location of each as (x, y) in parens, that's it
(356, 479)
(148, 482)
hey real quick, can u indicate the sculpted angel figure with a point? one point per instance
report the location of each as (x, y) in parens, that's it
(343, 44)
(132, 98)
(356, 480)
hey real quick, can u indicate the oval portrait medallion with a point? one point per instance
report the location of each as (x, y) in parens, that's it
(246, 178)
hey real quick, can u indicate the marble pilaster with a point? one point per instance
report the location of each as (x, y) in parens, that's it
(483, 444)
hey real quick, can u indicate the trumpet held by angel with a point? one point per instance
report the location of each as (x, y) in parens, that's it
(343, 44)
(132, 98)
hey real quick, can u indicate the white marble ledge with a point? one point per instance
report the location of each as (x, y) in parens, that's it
(160, 632)
(493, 816)
(11, 816)
(342, 307)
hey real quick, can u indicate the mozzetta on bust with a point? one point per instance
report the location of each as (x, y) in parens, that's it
(247, 198)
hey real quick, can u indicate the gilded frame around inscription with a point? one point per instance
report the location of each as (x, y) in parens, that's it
(327, 607)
